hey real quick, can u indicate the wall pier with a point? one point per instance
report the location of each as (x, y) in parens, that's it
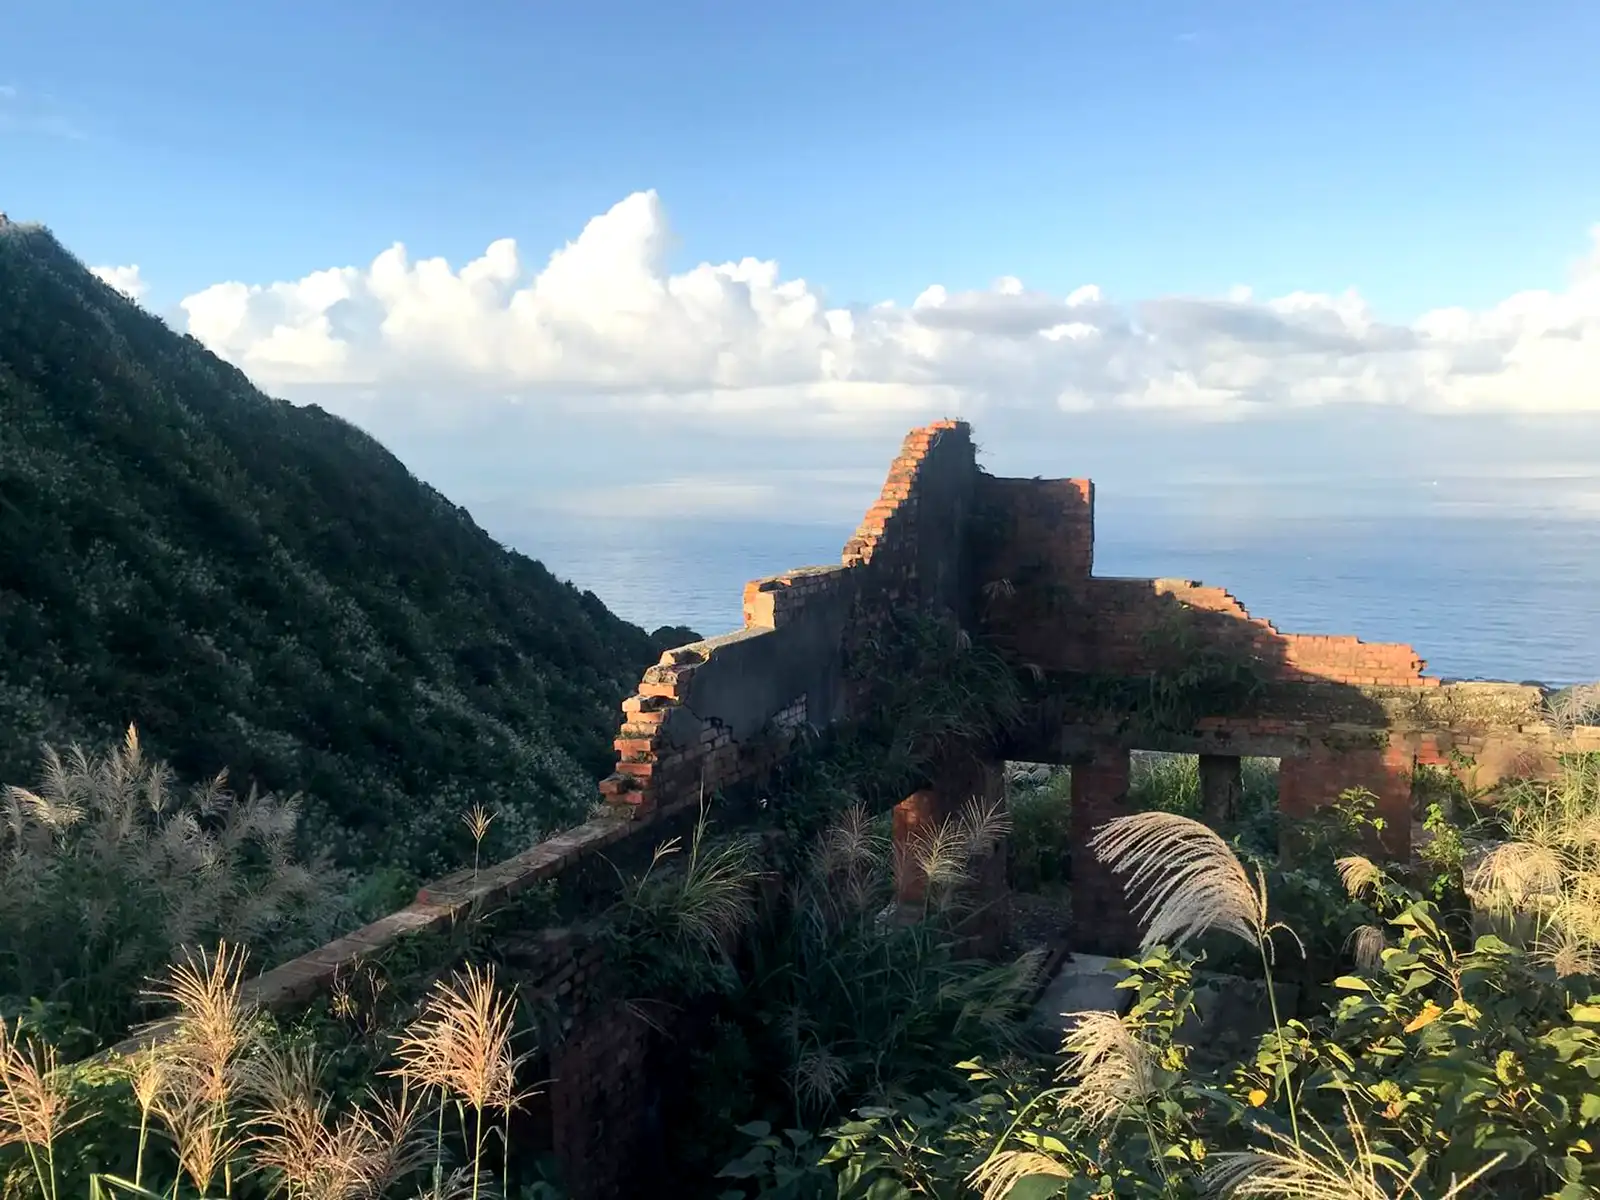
(986, 889)
(1384, 766)
(1101, 916)
(1221, 787)
(917, 819)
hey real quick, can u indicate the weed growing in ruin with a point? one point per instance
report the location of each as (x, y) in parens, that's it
(1458, 1057)
(477, 819)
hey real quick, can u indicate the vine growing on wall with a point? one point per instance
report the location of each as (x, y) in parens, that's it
(1193, 675)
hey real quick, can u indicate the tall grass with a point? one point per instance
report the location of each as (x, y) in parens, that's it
(1540, 886)
(109, 869)
(870, 997)
(221, 1100)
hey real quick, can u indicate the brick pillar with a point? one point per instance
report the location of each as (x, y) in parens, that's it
(915, 818)
(987, 926)
(600, 1117)
(1101, 916)
(1221, 788)
(1314, 780)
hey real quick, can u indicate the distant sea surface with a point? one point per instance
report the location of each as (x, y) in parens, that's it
(1480, 594)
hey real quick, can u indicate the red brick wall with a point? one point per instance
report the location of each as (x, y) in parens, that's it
(1041, 597)
(883, 568)
(890, 526)
(1073, 623)
(599, 1089)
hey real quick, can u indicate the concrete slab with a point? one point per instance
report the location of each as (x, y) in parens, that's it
(1085, 983)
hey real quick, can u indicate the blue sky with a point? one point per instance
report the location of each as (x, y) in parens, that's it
(358, 203)
(1430, 153)
(1248, 265)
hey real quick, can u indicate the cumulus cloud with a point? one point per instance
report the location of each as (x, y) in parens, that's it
(604, 323)
(126, 280)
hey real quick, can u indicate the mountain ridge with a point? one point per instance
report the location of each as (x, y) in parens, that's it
(263, 586)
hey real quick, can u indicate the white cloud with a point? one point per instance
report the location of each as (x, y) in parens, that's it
(604, 325)
(126, 280)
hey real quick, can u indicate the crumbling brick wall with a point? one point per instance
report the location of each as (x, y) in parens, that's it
(722, 711)
(1042, 600)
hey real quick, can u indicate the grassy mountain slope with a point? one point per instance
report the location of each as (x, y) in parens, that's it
(264, 587)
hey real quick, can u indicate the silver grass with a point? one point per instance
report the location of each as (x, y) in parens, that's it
(1366, 945)
(1109, 1068)
(1359, 875)
(1515, 876)
(1191, 881)
(1317, 1168)
(997, 1175)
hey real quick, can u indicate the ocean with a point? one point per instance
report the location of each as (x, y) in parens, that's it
(1479, 591)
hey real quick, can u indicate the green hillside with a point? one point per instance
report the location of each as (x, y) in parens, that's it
(264, 587)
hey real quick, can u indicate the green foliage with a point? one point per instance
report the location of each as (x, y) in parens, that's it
(1192, 675)
(1462, 1050)
(1447, 1062)
(1171, 783)
(670, 637)
(1040, 844)
(840, 995)
(263, 586)
(932, 700)
(674, 931)
(931, 691)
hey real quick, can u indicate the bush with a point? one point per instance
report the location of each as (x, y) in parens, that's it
(1460, 1053)
(1040, 800)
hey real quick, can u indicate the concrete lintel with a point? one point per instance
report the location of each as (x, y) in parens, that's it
(1077, 742)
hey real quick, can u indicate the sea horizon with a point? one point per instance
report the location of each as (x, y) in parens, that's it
(1479, 595)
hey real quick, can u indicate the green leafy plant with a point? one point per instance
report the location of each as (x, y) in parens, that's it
(1040, 844)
